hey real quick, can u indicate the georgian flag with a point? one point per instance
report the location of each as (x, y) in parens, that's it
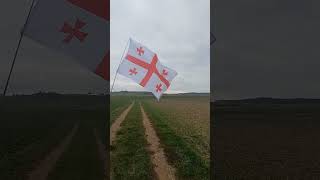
(78, 28)
(143, 66)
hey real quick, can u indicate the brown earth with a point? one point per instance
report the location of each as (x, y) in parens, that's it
(117, 123)
(161, 166)
(48, 163)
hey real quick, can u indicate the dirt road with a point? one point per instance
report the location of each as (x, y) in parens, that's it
(48, 163)
(161, 167)
(117, 123)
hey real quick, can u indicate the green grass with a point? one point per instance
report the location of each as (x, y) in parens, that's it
(189, 118)
(188, 164)
(129, 158)
(117, 105)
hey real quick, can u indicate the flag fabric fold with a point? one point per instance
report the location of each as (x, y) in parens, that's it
(143, 66)
(77, 28)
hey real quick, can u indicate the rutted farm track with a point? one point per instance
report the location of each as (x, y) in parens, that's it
(117, 123)
(145, 147)
(137, 125)
(160, 164)
(46, 165)
(161, 167)
(52, 138)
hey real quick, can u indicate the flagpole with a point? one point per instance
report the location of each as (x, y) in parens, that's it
(17, 49)
(114, 80)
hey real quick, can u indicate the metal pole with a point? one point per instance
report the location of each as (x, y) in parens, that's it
(118, 67)
(17, 49)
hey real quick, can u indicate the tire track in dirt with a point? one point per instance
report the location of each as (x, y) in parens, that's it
(117, 123)
(161, 166)
(102, 152)
(48, 163)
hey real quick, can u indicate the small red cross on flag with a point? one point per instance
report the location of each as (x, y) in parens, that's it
(140, 51)
(143, 66)
(77, 28)
(158, 87)
(133, 71)
(164, 72)
(74, 31)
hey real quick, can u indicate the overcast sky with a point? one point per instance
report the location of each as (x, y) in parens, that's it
(266, 48)
(38, 68)
(177, 30)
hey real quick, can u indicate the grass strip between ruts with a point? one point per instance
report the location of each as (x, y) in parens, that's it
(129, 156)
(187, 163)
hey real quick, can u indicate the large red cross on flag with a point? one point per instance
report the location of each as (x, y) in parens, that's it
(143, 66)
(78, 28)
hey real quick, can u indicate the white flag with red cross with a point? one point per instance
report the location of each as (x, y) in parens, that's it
(78, 28)
(143, 66)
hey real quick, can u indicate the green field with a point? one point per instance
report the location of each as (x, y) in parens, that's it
(37, 127)
(117, 105)
(182, 124)
(34, 126)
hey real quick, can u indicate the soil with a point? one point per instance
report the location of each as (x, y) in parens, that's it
(161, 166)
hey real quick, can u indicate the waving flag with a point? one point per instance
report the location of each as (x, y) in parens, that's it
(143, 66)
(78, 28)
